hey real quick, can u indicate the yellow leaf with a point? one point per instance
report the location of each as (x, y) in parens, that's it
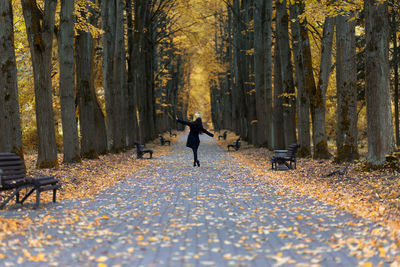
(102, 259)
(366, 264)
(105, 217)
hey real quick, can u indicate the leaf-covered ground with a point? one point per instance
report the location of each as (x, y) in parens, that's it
(81, 180)
(373, 194)
(221, 214)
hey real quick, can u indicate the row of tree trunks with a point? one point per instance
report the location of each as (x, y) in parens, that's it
(79, 59)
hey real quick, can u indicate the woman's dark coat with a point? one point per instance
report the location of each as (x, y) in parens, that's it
(193, 140)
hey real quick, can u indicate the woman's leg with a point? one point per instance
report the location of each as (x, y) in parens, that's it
(195, 155)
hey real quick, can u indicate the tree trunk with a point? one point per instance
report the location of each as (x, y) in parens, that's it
(303, 101)
(379, 112)
(321, 150)
(10, 128)
(394, 25)
(132, 123)
(259, 60)
(84, 74)
(268, 73)
(120, 82)
(100, 125)
(113, 71)
(67, 82)
(289, 108)
(279, 129)
(40, 28)
(346, 80)
(250, 90)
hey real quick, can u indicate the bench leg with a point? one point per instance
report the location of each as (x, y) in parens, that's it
(151, 154)
(2, 206)
(17, 198)
(27, 195)
(54, 195)
(37, 198)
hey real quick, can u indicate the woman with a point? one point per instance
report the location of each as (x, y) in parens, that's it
(193, 141)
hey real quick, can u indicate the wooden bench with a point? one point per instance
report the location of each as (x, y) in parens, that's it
(288, 157)
(164, 141)
(171, 133)
(235, 145)
(223, 135)
(140, 151)
(13, 177)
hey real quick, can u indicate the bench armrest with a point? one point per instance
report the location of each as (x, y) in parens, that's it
(1, 176)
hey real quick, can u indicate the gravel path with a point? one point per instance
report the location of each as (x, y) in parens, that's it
(172, 214)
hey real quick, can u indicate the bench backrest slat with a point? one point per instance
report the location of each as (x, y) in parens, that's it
(292, 150)
(138, 147)
(13, 168)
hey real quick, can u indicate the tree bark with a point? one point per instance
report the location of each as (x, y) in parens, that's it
(132, 123)
(394, 26)
(268, 73)
(346, 80)
(113, 71)
(289, 108)
(86, 103)
(278, 128)
(379, 112)
(321, 150)
(10, 126)
(40, 28)
(67, 82)
(259, 71)
(303, 101)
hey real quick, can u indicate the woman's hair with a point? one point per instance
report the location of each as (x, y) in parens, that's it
(198, 124)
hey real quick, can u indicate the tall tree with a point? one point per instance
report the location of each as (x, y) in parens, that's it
(303, 100)
(132, 123)
(259, 70)
(11, 140)
(268, 72)
(319, 131)
(67, 82)
(279, 138)
(40, 29)
(114, 71)
(346, 80)
(394, 30)
(379, 111)
(84, 80)
(289, 108)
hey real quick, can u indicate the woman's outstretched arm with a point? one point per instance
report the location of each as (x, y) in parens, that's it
(183, 122)
(207, 132)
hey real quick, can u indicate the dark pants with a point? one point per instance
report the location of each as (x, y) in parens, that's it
(195, 153)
